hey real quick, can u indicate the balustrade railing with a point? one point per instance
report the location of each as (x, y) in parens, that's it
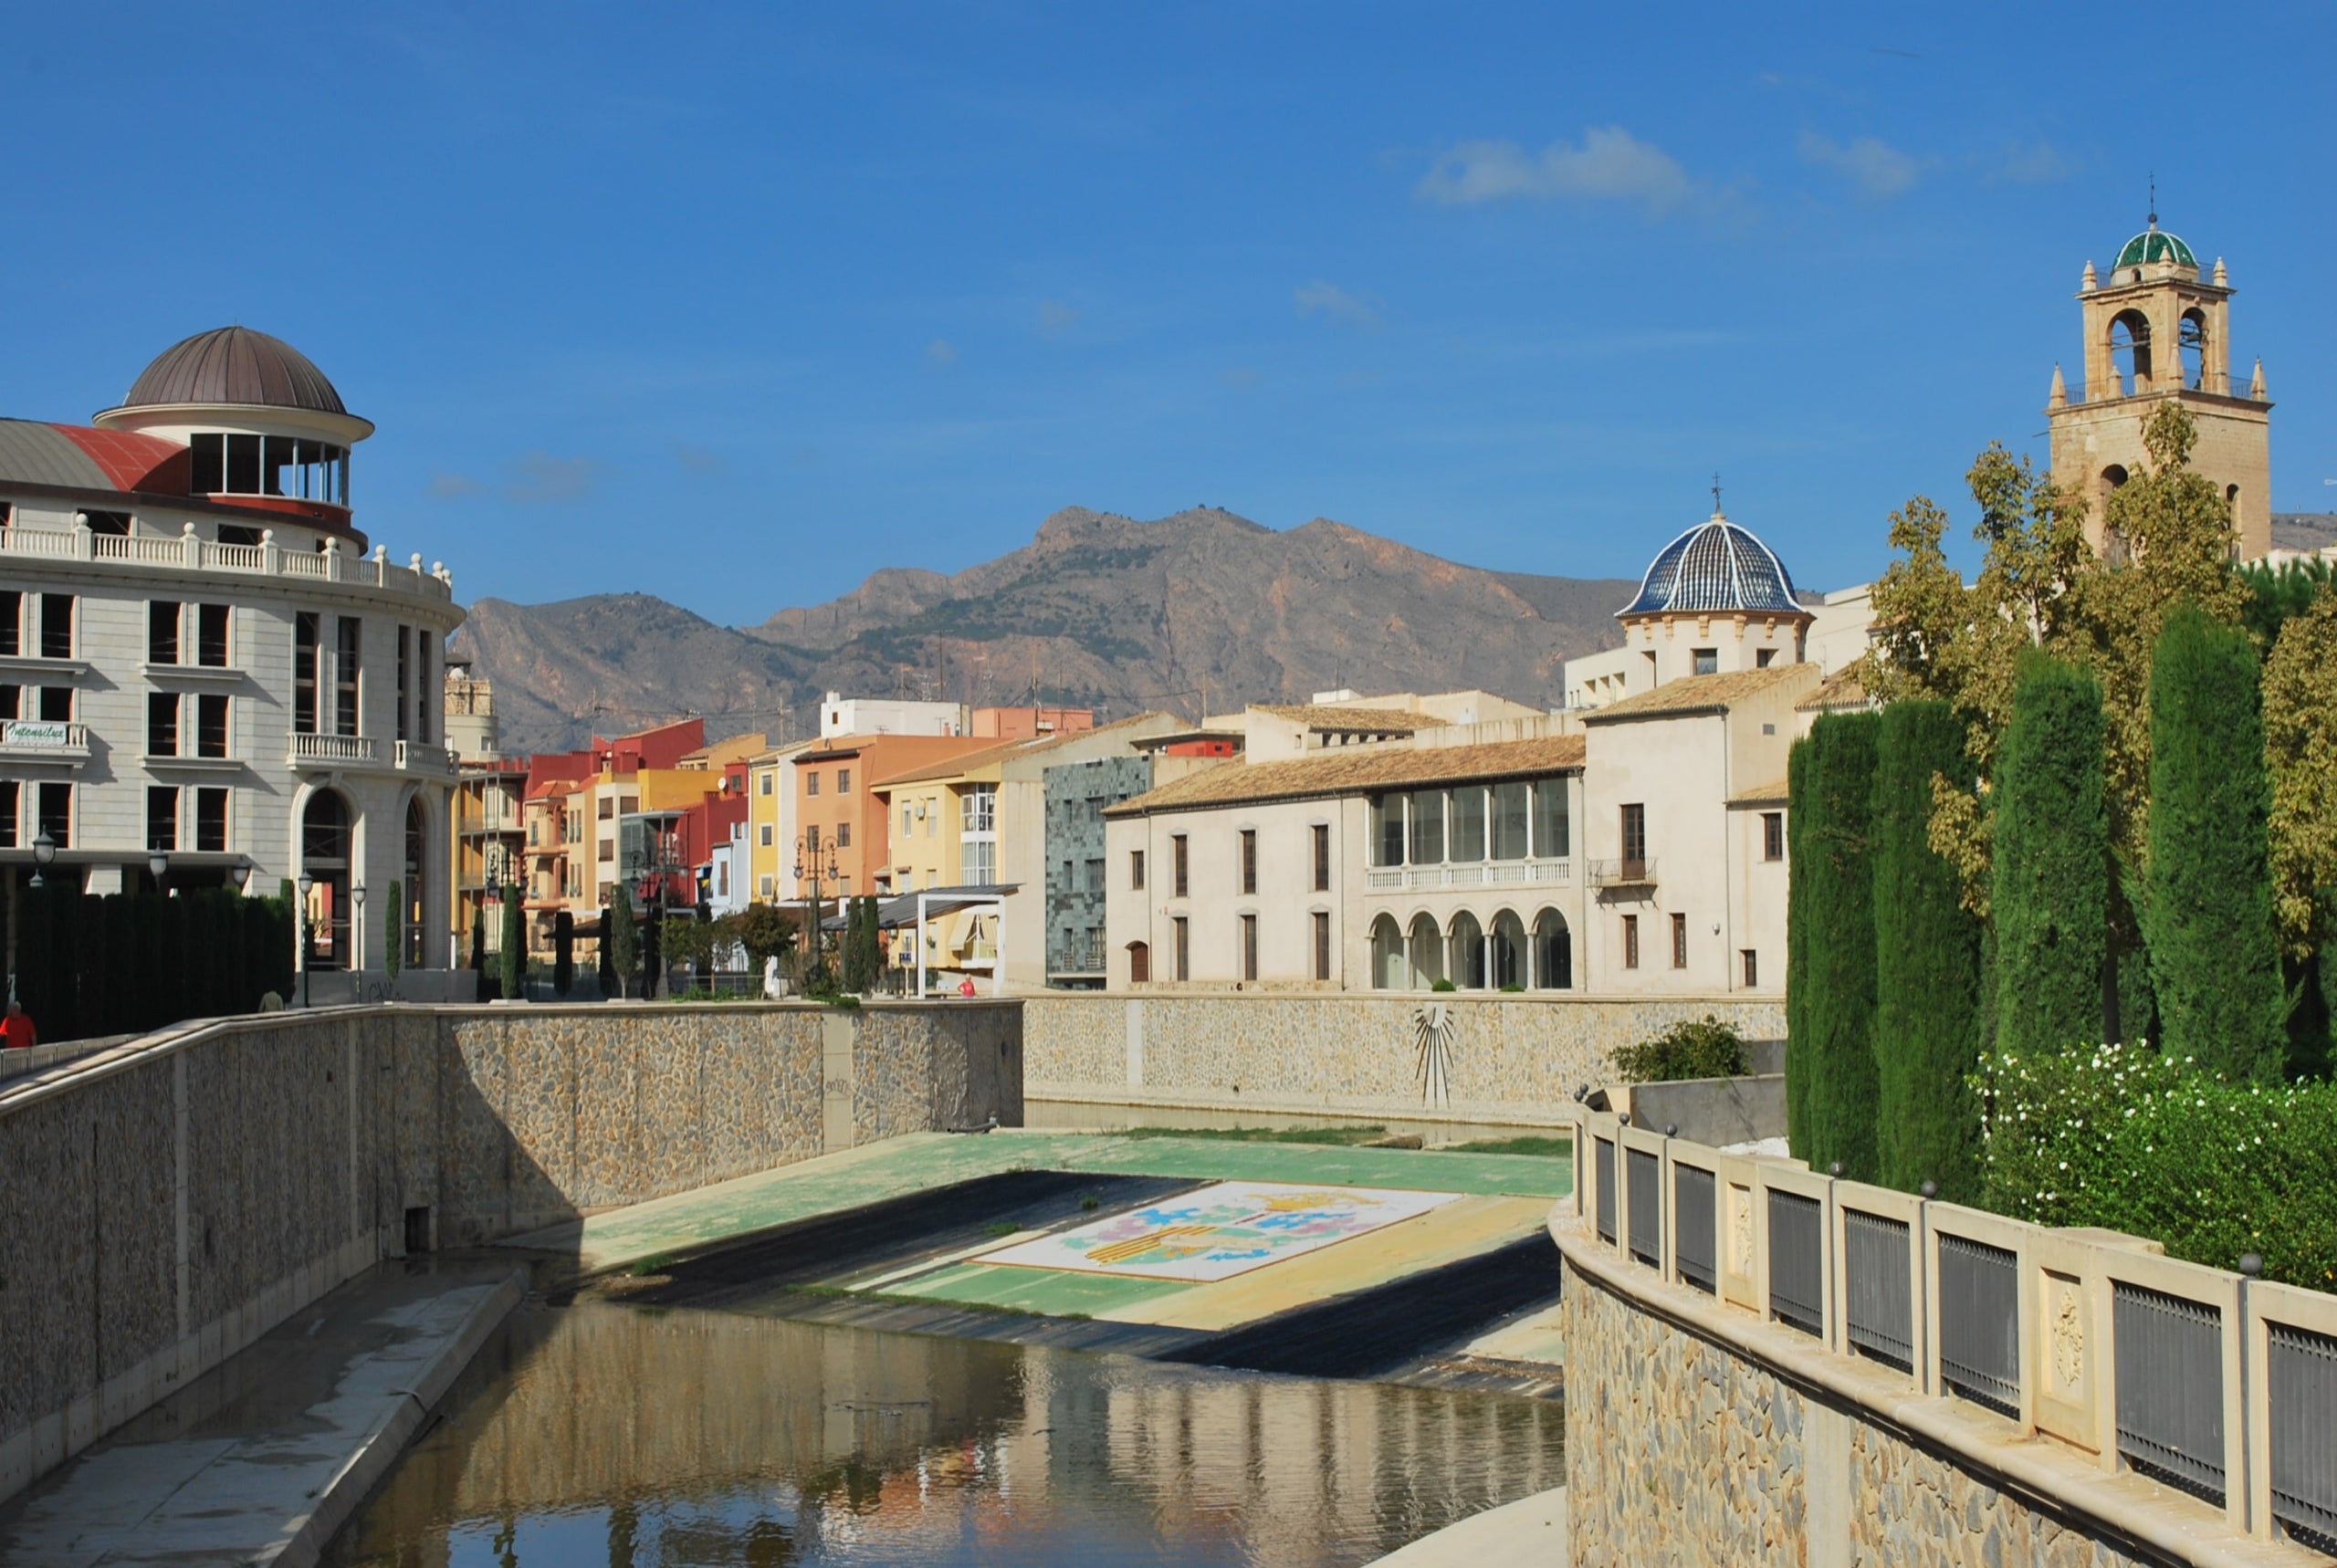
(1469, 874)
(188, 551)
(2220, 1387)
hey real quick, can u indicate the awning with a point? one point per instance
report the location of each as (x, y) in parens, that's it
(900, 912)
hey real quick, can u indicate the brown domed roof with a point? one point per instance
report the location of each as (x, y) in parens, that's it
(235, 365)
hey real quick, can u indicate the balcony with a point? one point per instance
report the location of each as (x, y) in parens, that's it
(1482, 874)
(187, 552)
(418, 757)
(1623, 872)
(44, 740)
(335, 751)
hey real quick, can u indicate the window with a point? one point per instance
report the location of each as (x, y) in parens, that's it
(1067, 884)
(1249, 947)
(843, 781)
(56, 625)
(1631, 941)
(12, 622)
(1764, 657)
(977, 809)
(57, 705)
(628, 804)
(766, 835)
(765, 887)
(1553, 828)
(908, 817)
(406, 677)
(1249, 860)
(210, 724)
(304, 673)
(1184, 931)
(1513, 810)
(812, 782)
(1322, 857)
(427, 694)
(762, 784)
(11, 701)
(162, 820)
(1387, 830)
(1136, 870)
(608, 807)
(1468, 824)
(1707, 660)
(1634, 841)
(1428, 827)
(1679, 941)
(55, 814)
(1751, 967)
(1773, 835)
(608, 851)
(1322, 944)
(1094, 876)
(1181, 868)
(843, 835)
(163, 632)
(11, 805)
(161, 723)
(978, 862)
(811, 838)
(344, 687)
(296, 466)
(211, 636)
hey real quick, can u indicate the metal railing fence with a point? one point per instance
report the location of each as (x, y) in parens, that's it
(1797, 1262)
(2301, 1390)
(1645, 1172)
(1603, 1155)
(1878, 1309)
(1696, 1223)
(2170, 1388)
(1979, 1322)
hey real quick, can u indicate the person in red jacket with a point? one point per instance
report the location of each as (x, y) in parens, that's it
(17, 1033)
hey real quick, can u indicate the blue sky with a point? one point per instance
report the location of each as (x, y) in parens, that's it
(733, 306)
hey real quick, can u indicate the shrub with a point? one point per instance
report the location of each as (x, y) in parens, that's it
(1691, 1048)
(2158, 1148)
(2050, 888)
(1444, 986)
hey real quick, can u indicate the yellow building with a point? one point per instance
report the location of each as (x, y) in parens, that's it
(770, 822)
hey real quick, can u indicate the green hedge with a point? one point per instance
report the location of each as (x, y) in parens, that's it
(2050, 886)
(2156, 1146)
(1830, 1089)
(128, 962)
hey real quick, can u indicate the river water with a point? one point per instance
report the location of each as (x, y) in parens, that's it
(627, 1437)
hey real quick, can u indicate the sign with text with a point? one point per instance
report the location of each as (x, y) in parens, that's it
(35, 732)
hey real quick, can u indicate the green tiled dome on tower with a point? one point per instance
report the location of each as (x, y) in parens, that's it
(2153, 245)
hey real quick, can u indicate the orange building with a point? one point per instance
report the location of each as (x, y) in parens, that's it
(839, 817)
(1030, 723)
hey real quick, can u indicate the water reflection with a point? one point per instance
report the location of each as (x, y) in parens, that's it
(608, 1434)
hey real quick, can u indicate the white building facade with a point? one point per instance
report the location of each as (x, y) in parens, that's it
(201, 661)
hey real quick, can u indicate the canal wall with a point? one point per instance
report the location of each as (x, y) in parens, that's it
(1768, 1367)
(1514, 1058)
(170, 1200)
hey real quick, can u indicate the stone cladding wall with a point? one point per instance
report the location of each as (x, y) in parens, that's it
(1683, 1450)
(170, 1201)
(1509, 1057)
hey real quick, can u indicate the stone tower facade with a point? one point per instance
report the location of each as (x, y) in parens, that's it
(2155, 332)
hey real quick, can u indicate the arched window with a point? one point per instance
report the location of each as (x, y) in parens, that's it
(324, 860)
(1389, 969)
(2114, 549)
(1467, 939)
(2193, 346)
(2130, 350)
(1139, 963)
(1553, 953)
(1507, 948)
(417, 856)
(1428, 952)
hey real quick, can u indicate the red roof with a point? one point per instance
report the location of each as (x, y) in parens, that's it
(134, 462)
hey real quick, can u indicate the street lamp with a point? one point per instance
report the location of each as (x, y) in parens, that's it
(357, 925)
(44, 856)
(242, 872)
(300, 949)
(159, 865)
(807, 865)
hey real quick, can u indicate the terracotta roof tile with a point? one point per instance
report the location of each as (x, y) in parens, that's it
(1355, 772)
(1770, 794)
(1392, 720)
(1702, 694)
(952, 767)
(1842, 689)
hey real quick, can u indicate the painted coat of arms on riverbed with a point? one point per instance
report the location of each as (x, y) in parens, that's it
(1217, 1232)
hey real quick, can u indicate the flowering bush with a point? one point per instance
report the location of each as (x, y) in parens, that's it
(2123, 1138)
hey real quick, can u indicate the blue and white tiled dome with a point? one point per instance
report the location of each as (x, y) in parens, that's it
(1715, 567)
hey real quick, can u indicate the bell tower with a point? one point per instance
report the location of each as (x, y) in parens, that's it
(2154, 332)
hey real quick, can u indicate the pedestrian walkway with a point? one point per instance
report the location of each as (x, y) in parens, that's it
(259, 1460)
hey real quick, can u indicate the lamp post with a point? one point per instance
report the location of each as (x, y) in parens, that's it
(44, 856)
(158, 866)
(807, 865)
(357, 926)
(300, 946)
(242, 872)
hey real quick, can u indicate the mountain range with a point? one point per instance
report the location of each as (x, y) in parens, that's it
(1198, 611)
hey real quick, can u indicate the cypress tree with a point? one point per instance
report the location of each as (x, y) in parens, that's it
(1833, 929)
(873, 962)
(514, 957)
(2050, 889)
(1801, 826)
(2214, 952)
(1927, 964)
(563, 952)
(394, 930)
(620, 941)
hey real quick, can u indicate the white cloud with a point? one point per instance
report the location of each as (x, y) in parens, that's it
(539, 477)
(453, 486)
(1611, 165)
(2040, 164)
(1876, 168)
(941, 353)
(1056, 318)
(1329, 300)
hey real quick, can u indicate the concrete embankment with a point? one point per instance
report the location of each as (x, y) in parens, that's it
(262, 1459)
